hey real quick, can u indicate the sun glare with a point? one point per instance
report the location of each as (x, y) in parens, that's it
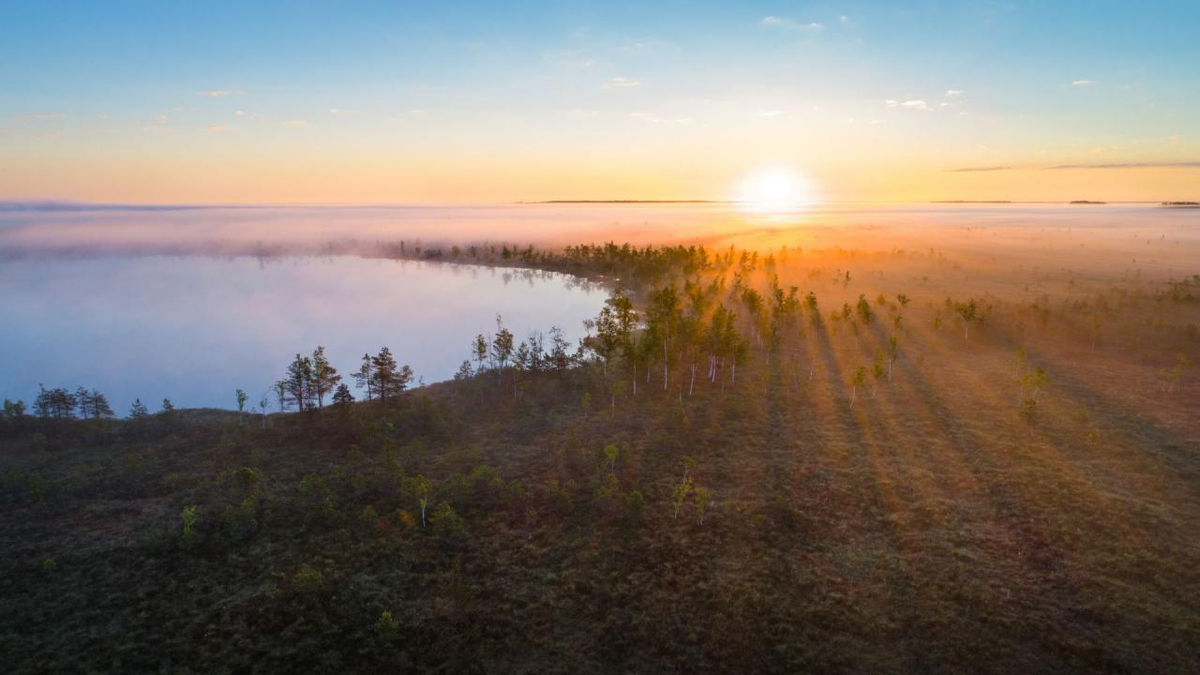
(775, 190)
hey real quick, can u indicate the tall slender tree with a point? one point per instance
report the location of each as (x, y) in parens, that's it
(299, 383)
(362, 377)
(325, 377)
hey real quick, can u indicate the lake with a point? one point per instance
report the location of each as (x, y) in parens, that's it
(195, 328)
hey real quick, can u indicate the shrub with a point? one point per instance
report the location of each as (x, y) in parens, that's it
(308, 580)
(189, 536)
(386, 627)
(446, 522)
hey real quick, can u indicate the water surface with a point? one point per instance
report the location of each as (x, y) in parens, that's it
(196, 328)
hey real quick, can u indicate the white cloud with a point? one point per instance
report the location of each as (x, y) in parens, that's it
(790, 24)
(39, 116)
(161, 119)
(844, 19)
(954, 93)
(416, 112)
(221, 93)
(216, 128)
(622, 83)
(916, 104)
(891, 103)
(295, 124)
(239, 112)
(770, 113)
(1082, 83)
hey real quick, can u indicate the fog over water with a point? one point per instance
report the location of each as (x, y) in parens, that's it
(191, 302)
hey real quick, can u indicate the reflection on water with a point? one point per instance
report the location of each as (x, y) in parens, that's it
(196, 328)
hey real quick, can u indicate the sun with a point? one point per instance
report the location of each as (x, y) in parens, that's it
(775, 190)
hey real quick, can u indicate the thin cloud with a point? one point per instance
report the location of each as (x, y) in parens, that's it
(622, 83)
(974, 169)
(790, 24)
(39, 116)
(216, 128)
(220, 93)
(1130, 165)
(296, 124)
(916, 104)
(953, 93)
(1082, 83)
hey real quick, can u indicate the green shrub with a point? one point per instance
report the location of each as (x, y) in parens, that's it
(446, 522)
(308, 581)
(386, 627)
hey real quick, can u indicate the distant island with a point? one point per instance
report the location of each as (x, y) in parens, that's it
(972, 201)
(1182, 204)
(1084, 201)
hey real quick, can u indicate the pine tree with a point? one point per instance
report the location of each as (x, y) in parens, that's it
(83, 398)
(388, 380)
(100, 409)
(325, 377)
(138, 410)
(502, 346)
(342, 396)
(362, 378)
(298, 383)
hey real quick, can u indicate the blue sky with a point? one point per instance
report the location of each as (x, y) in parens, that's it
(149, 101)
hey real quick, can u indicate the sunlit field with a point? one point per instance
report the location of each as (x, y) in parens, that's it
(598, 338)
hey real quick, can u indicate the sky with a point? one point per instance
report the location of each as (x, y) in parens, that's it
(482, 102)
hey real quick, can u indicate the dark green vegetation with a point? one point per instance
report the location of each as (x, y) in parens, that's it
(834, 477)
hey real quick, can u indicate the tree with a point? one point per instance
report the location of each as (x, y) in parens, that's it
(281, 395)
(662, 318)
(864, 311)
(138, 410)
(502, 346)
(14, 410)
(479, 349)
(83, 398)
(969, 312)
(857, 380)
(263, 404)
(614, 328)
(388, 381)
(167, 407)
(299, 383)
(241, 403)
(680, 494)
(560, 355)
(893, 351)
(421, 487)
(57, 403)
(342, 396)
(325, 377)
(363, 376)
(611, 453)
(100, 409)
(464, 372)
(878, 372)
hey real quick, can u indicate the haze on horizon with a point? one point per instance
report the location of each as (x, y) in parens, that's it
(472, 102)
